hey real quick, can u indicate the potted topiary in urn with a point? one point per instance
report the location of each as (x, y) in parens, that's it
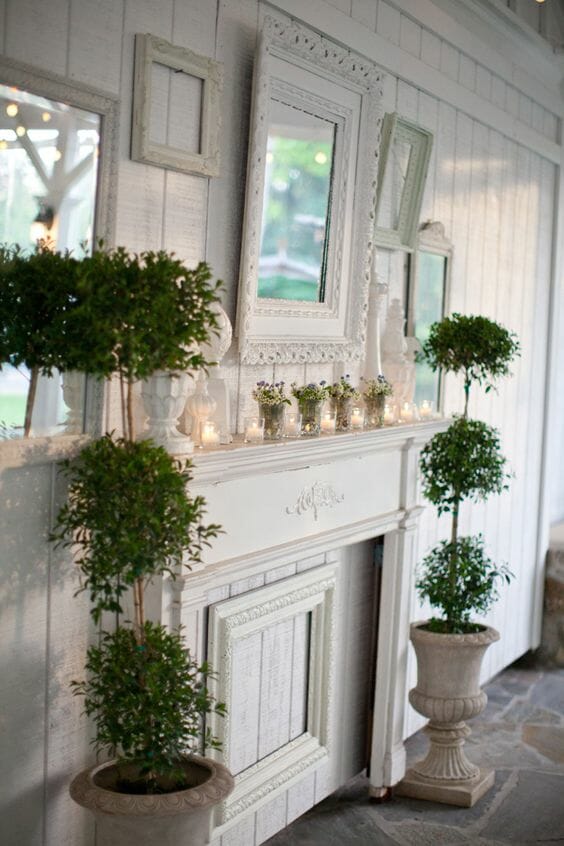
(457, 577)
(130, 519)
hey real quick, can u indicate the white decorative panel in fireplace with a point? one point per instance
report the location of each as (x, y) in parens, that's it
(272, 649)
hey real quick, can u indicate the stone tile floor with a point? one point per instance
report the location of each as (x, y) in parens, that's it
(520, 733)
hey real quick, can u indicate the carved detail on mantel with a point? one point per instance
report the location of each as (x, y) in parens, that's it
(313, 497)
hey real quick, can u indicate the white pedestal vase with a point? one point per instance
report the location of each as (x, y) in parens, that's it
(181, 818)
(448, 692)
(164, 398)
(73, 382)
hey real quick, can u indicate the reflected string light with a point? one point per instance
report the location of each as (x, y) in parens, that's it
(46, 117)
(320, 157)
(20, 131)
(12, 109)
(57, 155)
(3, 145)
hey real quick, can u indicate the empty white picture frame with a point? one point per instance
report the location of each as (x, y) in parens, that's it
(176, 114)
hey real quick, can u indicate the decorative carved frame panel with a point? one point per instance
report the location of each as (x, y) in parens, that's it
(81, 96)
(396, 130)
(150, 50)
(304, 69)
(244, 615)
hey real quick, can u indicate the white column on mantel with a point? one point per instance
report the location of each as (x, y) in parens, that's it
(377, 295)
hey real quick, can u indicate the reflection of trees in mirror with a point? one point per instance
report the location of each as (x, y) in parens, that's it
(295, 218)
(428, 308)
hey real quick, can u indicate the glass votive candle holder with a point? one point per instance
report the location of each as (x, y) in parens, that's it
(408, 412)
(426, 410)
(254, 430)
(357, 418)
(389, 415)
(328, 422)
(209, 435)
(292, 424)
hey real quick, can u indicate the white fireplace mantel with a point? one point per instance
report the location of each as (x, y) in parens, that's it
(279, 502)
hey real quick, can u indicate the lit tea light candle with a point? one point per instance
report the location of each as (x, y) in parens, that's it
(408, 412)
(425, 409)
(357, 418)
(328, 422)
(292, 424)
(389, 415)
(254, 429)
(210, 435)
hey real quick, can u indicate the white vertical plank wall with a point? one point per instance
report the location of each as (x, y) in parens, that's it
(492, 183)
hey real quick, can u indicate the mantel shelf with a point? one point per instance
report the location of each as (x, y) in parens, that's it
(239, 458)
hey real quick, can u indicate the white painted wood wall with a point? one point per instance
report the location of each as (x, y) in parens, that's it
(495, 109)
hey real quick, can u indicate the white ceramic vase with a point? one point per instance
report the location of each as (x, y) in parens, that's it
(182, 818)
(164, 397)
(448, 692)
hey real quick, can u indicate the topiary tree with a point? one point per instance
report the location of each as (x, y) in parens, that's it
(130, 517)
(473, 345)
(464, 463)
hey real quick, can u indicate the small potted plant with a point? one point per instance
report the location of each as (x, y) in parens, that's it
(342, 395)
(130, 519)
(310, 401)
(374, 396)
(457, 577)
(272, 402)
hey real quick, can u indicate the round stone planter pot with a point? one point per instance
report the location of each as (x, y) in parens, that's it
(166, 819)
(448, 692)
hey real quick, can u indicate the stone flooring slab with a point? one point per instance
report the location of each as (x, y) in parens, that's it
(521, 734)
(533, 812)
(548, 740)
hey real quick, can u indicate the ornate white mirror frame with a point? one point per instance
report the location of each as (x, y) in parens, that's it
(401, 180)
(149, 52)
(299, 68)
(56, 88)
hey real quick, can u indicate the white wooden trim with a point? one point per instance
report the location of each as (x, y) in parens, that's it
(250, 613)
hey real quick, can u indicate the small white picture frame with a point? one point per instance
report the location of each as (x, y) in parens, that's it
(151, 52)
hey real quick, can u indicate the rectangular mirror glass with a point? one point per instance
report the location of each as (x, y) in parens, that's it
(52, 170)
(429, 269)
(296, 209)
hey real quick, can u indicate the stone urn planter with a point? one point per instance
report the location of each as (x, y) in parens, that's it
(181, 818)
(448, 692)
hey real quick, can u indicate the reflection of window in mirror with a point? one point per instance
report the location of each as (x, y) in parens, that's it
(296, 208)
(48, 180)
(428, 277)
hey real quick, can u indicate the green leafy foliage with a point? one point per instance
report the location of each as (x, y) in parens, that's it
(470, 586)
(480, 348)
(129, 516)
(38, 295)
(139, 313)
(464, 462)
(148, 702)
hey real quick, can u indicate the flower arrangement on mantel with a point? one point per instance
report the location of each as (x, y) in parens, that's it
(343, 389)
(374, 388)
(271, 393)
(313, 392)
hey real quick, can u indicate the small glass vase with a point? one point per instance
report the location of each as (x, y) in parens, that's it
(273, 420)
(375, 407)
(311, 417)
(342, 406)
